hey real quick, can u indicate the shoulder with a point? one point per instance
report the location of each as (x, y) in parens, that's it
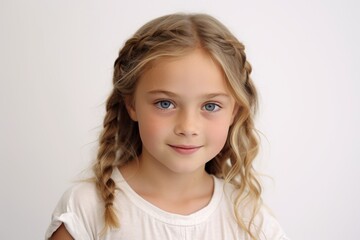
(265, 223)
(80, 209)
(82, 195)
(268, 225)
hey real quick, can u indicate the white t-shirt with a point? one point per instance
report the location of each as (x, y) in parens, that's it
(81, 210)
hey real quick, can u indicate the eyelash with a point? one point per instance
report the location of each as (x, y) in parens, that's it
(217, 107)
(158, 104)
(171, 105)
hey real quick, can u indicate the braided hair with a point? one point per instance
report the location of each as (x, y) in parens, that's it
(173, 36)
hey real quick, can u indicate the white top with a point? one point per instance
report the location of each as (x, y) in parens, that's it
(81, 211)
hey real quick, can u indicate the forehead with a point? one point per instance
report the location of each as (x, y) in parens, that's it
(194, 72)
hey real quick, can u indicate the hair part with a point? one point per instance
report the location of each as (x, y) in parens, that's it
(173, 36)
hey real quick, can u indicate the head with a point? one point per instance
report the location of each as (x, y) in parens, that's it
(175, 36)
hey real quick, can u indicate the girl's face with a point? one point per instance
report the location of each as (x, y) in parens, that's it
(184, 110)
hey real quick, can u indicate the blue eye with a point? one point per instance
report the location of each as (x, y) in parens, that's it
(211, 107)
(164, 104)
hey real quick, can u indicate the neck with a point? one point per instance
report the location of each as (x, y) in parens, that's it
(155, 181)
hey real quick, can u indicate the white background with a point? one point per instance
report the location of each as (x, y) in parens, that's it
(56, 62)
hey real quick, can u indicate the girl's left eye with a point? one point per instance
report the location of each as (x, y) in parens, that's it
(211, 107)
(164, 104)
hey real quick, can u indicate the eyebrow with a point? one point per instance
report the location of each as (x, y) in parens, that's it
(171, 94)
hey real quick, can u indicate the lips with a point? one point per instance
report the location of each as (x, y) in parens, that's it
(185, 149)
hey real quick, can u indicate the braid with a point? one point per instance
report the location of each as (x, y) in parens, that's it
(116, 145)
(245, 144)
(105, 160)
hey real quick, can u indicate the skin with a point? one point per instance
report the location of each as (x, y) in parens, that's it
(184, 110)
(61, 234)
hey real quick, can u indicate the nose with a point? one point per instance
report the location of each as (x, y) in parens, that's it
(187, 123)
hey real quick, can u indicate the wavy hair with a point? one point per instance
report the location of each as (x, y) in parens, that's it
(173, 36)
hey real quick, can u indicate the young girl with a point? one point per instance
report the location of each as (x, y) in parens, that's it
(176, 154)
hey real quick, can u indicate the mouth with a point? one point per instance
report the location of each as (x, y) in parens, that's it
(185, 149)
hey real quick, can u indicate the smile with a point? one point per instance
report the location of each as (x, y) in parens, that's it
(185, 149)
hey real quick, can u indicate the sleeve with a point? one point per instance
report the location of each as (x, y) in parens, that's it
(65, 212)
(270, 227)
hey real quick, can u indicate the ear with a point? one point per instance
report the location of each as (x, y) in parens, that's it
(130, 107)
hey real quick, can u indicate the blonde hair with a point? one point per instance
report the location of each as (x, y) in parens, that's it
(172, 36)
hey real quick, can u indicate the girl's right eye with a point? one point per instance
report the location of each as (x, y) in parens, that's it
(164, 104)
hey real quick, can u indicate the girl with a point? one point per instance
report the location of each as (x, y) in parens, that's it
(176, 154)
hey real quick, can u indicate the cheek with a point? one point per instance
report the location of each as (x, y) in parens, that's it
(151, 128)
(218, 134)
